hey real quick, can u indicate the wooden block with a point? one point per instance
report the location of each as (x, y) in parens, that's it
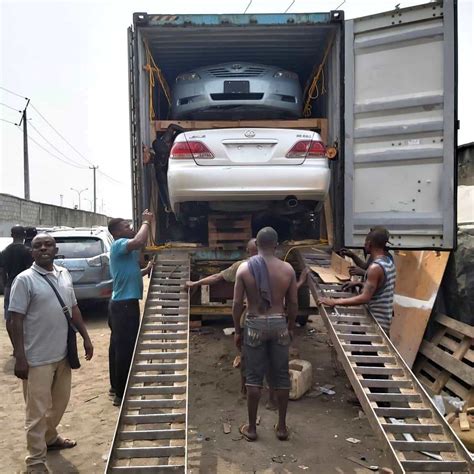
(464, 422)
(457, 326)
(193, 324)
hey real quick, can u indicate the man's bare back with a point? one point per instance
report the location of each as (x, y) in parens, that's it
(282, 282)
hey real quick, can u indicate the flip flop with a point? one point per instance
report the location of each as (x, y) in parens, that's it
(62, 443)
(243, 431)
(280, 437)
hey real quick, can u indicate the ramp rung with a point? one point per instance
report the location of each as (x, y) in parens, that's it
(158, 378)
(164, 327)
(152, 452)
(419, 428)
(167, 319)
(430, 446)
(378, 370)
(350, 319)
(148, 435)
(434, 466)
(151, 419)
(358, 337)
(165, 468)
(394, 397)
(158, 310)
(164, 346)
(161, 355)
(163, 336)
(375, 359)
(156, 403)
(158, 390)
(160, 367)
(380, 383)
(364, 348)
(404, 412)
(362, 328)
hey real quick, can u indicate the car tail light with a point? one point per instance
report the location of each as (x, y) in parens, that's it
(307, 149)
(189, 150)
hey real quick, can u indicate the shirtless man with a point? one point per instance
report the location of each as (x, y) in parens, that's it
(269, 285)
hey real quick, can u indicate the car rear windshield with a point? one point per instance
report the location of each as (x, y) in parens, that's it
(78, 247)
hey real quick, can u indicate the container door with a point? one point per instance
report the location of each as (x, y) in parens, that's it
(400, 126)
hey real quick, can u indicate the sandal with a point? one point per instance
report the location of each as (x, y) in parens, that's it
(62, 443)
(243, 430)
(280, 436)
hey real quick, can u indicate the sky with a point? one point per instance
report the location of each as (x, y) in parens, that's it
(70, 59)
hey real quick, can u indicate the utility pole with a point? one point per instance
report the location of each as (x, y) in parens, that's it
(94, 168)
(61, 196)
(79, 192)
(26, 165)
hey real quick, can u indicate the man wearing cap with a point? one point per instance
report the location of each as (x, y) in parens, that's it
(379, 285)
(15, 258)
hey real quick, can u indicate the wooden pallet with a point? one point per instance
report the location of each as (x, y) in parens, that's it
(228, 231)
(445, 362)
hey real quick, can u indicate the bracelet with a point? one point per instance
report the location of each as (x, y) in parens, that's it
(146, 222)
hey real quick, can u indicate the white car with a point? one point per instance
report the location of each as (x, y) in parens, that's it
(282, 170)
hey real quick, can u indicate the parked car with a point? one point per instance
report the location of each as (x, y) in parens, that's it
(85, 253)
(236, 90)
(240, 169)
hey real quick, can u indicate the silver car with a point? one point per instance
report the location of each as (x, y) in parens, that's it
(236, 91)
(85, 253)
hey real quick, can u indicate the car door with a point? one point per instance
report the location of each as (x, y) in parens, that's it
(401, 126)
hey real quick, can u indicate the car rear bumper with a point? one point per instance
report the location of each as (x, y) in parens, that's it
(93, 291)
(190, 182)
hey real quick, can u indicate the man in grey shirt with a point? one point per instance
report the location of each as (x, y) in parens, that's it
(40, 340)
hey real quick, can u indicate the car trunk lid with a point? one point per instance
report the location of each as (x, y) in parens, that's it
(248, 146)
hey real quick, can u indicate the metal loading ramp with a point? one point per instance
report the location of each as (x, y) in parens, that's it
(151, 433)
(416, 436)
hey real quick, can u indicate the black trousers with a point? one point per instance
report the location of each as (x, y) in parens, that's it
(124, 320)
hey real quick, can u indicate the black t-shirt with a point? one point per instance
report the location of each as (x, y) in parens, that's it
(15, 259)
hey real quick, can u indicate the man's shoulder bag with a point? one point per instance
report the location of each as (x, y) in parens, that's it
(72, 355)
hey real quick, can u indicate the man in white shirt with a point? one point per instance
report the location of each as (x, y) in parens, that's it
(40, 332)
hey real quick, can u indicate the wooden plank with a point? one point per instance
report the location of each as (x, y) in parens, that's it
(404, 412)
(364, 348)
(385, 383)
(359, 337)
(394, 397)
(161, 468)
(152, 434)
(152, 419)
(419, 275)
(448, 362)
(378, 370)
(372, 359)
(160, 451)
(458, 326)
(464, 422)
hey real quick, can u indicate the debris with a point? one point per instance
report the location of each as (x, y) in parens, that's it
(229, 331)
(362, 463)
(89, 399)
(353, 440)
(450, 417)
(278, 459)
(305, 468)
(226, 427)
(464, 422)
(105, 457)
(327, 390)
(237, 439)
(259, 419)
(199, 437)
(236, 362)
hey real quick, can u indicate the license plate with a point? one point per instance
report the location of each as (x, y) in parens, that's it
(236, 87)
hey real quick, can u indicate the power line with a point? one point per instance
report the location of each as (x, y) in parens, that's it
(62, 136)
(10, 107)
(8, 121)
(248, 6)
(14, 93)
(72, 146)
(291, 4)
(55, 148)
(340, 5)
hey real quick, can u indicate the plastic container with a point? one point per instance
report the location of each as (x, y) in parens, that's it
(301, 378)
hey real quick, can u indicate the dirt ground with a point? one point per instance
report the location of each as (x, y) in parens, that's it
(319, 425)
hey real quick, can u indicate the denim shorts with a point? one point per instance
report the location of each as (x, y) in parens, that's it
(266, 345)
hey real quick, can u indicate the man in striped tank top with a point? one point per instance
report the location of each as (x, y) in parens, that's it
(379, 285)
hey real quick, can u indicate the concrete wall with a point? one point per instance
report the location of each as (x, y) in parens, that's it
(466, 164)
(14, 210)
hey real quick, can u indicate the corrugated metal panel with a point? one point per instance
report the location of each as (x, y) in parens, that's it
(400, 118)
(180, 43)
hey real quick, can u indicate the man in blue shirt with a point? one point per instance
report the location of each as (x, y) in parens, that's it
(124, 310)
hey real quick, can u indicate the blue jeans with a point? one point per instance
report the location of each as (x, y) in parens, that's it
(266, 343)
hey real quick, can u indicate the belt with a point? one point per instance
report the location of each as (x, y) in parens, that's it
(266, 316)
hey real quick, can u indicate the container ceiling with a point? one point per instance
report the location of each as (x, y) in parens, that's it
(293, 42)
